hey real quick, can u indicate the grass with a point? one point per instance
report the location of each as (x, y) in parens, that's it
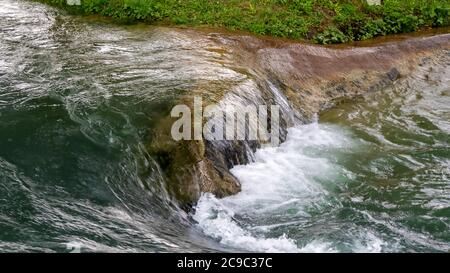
(322, 21)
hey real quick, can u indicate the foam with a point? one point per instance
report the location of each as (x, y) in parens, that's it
(281, 177)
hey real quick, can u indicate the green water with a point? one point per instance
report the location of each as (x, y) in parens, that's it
(78, 99)
(401, 178)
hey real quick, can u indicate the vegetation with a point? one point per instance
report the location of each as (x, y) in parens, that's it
(323, 21)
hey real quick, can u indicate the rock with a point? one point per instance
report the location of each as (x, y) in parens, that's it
(304, 79)
(374, 2)
(393, 74)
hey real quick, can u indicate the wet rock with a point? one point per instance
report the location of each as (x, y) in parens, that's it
(302, 79)
(393, 74)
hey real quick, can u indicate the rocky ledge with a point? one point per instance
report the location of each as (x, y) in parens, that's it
(303, 79)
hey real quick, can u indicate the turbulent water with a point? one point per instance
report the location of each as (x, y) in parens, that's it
(78, 98)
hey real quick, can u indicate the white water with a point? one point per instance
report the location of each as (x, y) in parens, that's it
(283, 180)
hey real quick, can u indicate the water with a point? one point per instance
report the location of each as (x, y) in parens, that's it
(79, 97)
(371, 176)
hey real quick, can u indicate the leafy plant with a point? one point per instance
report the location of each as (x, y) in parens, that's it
(323, 21)
(331, 35)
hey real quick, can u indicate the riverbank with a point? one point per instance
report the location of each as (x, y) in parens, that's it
(321, 21)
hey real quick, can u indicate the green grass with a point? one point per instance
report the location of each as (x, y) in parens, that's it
(323, 21)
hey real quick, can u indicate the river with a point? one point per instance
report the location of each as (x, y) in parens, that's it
(79, 97)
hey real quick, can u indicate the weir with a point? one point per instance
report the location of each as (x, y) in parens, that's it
(88, 162)
(302, 80)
